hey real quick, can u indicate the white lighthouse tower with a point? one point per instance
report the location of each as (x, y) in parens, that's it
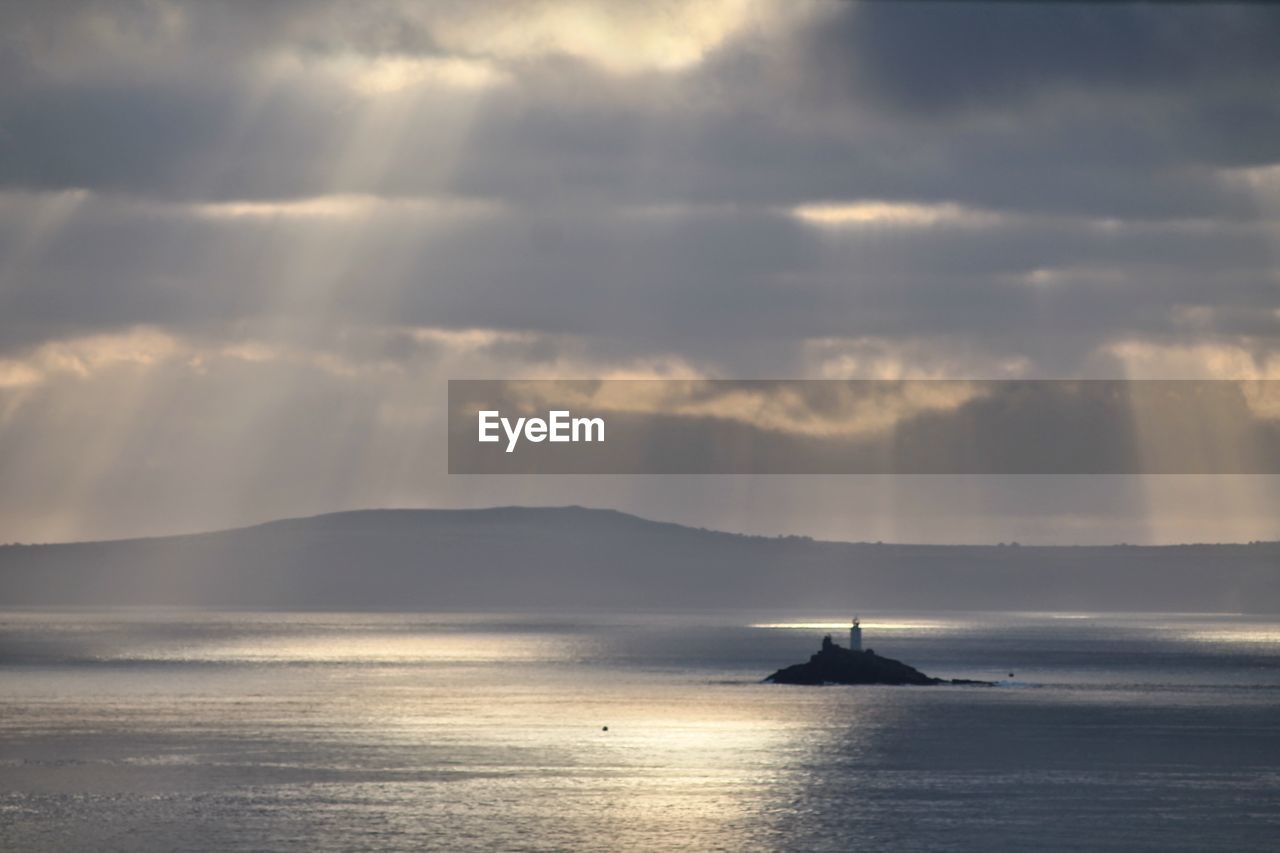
(855, 636)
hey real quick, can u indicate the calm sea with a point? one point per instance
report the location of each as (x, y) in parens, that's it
(145, 730)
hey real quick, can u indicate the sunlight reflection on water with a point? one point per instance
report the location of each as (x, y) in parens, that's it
(881, 624)
(192, 731)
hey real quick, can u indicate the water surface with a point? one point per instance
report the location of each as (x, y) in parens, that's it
(188, 730)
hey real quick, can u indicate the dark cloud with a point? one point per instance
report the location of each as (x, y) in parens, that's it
(931, 57)
(1121, 111)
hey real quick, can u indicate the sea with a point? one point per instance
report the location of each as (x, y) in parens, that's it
(182, 730)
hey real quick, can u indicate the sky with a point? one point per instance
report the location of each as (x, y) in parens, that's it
(244, 245)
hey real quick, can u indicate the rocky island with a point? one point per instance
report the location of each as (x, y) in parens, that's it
(834, 664)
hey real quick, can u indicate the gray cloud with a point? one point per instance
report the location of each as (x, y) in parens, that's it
(675, 278)
(333, 192)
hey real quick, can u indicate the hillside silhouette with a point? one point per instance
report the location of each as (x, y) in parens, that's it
(567, 557)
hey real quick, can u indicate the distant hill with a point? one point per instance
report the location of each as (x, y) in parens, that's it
(572, 557)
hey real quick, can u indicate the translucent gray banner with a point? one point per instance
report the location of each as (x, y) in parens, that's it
(864, 427)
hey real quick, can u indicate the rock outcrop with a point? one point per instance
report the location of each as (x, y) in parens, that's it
(834, 664)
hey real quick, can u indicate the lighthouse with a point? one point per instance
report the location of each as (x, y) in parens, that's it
(855, 636)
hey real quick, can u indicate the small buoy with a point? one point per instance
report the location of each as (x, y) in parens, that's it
(606, 728)
(1011, 675)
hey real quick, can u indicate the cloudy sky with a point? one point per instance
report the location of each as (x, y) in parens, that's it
(244, 245)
